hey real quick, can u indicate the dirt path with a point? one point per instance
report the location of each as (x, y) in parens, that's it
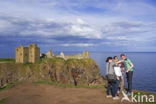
(29, 93)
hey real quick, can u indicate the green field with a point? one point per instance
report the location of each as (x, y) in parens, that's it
(7, 60)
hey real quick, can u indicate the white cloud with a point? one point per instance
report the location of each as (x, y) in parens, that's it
(119, 21)
(118, 38)
(80, 21)
(83, 29)
(48, 27)
(78, 45)
(4, 25)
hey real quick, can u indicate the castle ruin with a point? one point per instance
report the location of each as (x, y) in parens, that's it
(31, 54)
(49, 54)
(66, 57)
(27, 54)
(78, 56)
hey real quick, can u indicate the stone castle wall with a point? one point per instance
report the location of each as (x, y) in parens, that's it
(78, 56)
(49, 54)
(27, 54)
(66, 57)
(21, 54)
(32, 54)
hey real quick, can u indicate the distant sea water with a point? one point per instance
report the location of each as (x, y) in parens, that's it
(144, 75)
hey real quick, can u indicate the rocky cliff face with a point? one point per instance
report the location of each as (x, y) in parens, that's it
(73, 71)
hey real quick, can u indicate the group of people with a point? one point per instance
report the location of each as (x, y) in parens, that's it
(115, 75)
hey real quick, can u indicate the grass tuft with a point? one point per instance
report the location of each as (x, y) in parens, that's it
(45, 60)
(66, 85)
(7, 60)
(3, 101)
(9, 85)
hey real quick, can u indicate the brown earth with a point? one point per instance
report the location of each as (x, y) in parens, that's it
(29, 93)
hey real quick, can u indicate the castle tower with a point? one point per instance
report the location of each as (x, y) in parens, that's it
(27, 54)
(86, 54)
(34, 53)
(21, 54)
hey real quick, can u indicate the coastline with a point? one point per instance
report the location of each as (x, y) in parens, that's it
(46, 76)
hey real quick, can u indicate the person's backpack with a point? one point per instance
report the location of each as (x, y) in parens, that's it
(111, 77)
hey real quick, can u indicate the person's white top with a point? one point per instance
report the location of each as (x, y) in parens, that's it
(117, 70)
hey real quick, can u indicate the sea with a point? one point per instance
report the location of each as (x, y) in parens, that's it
(144, 74)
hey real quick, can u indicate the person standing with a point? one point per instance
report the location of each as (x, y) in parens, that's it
(111, 84)
(129, 72)
(120, 77)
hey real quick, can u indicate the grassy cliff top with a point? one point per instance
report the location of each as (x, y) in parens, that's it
(47, 60)
(7, 60)
(84, 61)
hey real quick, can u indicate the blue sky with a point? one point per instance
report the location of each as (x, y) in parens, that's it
(77, 25)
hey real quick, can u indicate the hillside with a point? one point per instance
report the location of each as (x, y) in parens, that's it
(54, 81)
(72, 71)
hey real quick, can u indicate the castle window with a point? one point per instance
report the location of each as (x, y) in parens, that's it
(21, 54)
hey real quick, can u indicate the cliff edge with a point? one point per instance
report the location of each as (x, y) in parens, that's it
(72, 71)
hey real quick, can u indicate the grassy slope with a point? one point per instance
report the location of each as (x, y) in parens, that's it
(3, 101)
(66, 85)
(7, 60)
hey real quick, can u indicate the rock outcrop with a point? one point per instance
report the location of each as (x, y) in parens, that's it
(72, 71)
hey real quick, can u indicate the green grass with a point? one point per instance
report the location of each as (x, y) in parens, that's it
(28, 63)
(3, 101)
(7, 60)
(66, 85)
(57, 59)
(84, 62)
(9, 85)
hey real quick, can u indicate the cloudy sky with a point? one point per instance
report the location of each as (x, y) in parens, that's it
(76, 25)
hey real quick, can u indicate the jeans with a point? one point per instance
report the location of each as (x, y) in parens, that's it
(129, 80)
(117, 85)
(111, 84)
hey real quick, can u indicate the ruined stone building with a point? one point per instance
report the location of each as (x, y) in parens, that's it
(49, 54)
(27, 54)
(77, 56)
